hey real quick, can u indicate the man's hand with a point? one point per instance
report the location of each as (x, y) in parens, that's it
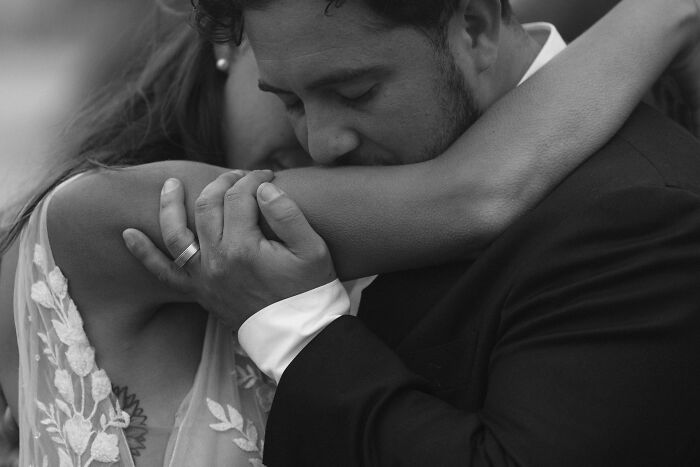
(237, 271)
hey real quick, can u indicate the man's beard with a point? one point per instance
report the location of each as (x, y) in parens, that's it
(460, 109)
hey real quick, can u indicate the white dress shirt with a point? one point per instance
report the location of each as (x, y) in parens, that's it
(275, 335)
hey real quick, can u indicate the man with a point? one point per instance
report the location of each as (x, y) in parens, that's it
(574, 339)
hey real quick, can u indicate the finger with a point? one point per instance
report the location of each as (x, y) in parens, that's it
(287, 221)
(155, 261)
(209, 208)
(241, 207)
(173, 218)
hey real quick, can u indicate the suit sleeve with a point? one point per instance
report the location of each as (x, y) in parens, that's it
(596, 360)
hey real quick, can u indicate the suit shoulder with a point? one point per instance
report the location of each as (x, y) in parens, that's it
(649, 150)
(668, 147)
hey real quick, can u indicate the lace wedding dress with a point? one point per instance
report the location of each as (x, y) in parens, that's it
(68, 415)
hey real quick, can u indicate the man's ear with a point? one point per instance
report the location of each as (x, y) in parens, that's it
(479, 29)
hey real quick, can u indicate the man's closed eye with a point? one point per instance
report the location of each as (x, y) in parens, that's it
(357, 99)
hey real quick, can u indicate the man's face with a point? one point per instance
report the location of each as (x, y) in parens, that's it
(356, 91)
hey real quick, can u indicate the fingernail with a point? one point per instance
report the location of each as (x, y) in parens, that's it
(128, 237)
(238, 173)
(268, 192)
(169, 185)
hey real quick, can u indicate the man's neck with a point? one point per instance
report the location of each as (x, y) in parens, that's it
(517, 51)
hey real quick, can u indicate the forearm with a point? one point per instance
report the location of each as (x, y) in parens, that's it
(386, 218)
(573, 106)
(586, 358)
(453, 206)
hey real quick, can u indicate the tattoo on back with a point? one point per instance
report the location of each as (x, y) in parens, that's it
(137, 430)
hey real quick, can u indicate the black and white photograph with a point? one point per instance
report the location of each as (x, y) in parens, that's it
(350, 233)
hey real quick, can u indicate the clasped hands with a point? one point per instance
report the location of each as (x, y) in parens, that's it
(238, 270)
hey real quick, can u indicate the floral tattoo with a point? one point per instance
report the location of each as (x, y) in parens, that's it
(137, 430)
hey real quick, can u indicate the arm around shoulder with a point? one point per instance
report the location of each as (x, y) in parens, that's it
(595, 362)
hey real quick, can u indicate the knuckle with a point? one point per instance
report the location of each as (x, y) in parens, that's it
(234, 175)
(250, 182)
(203, 204)
(174, 238)
(171, 240)
(286, 211)
(215, 267)
(318, 252)
(226, 179)
(163, 277)
(165, 200)
(233, 195)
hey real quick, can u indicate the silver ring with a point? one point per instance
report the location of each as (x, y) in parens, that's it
(187, 255)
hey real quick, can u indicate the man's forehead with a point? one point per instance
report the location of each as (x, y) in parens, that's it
(293, 28)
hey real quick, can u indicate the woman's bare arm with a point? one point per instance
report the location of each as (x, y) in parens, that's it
(451, 207)
(385, 218)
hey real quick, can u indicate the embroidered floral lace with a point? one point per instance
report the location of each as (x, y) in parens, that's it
(68, 414)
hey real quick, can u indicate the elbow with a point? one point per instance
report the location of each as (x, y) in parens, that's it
(484, 218)
(495, 217)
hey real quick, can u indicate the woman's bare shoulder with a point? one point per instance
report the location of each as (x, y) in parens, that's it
(85, 220)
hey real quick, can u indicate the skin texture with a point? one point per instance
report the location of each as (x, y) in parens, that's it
(399, 105)
(123, 305)
(259, 135)
(220, 267)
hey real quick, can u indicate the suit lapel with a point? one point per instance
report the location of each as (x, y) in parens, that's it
(394, 304)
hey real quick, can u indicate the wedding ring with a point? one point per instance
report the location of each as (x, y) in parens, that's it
(187, 255)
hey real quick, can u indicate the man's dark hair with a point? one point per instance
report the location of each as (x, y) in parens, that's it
(222, 20)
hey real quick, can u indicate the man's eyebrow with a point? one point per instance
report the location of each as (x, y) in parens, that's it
(343, 76)
(334, 77)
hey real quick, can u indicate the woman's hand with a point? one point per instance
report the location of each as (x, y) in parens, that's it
(238, 271)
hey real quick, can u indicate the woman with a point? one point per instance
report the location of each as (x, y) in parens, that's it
(150, 344)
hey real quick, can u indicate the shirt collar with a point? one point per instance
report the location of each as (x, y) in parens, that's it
(552, 43)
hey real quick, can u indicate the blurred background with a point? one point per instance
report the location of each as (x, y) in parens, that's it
(53, 55)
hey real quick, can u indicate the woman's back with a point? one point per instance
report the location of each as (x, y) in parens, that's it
(69, 408)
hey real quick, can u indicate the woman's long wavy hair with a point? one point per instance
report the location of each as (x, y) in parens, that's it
(169, 106)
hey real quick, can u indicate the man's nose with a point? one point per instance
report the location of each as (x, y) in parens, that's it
(328, 141)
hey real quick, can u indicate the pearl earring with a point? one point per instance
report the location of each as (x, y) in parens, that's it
(222, 64)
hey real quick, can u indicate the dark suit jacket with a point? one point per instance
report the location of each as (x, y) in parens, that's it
(573, 340)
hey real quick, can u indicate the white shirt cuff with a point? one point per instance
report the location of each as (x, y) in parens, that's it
(275, 335)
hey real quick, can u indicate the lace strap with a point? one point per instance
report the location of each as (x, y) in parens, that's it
(67, 414)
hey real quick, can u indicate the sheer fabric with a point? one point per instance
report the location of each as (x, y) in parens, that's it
(68, 415)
